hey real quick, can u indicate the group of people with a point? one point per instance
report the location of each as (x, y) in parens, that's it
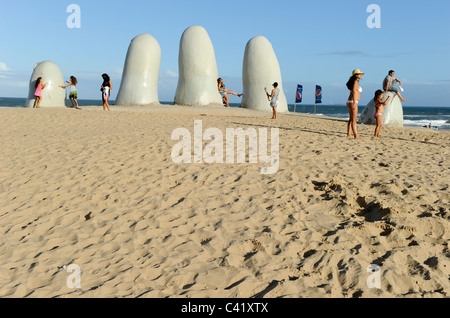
(355, 89)
(73, 95)
(389, 85)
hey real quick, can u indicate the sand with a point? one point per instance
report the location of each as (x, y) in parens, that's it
(100, 190)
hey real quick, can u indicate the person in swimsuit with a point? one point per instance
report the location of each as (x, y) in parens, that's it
(38, 93)
(224, 92)
(106, 87)
(379, 106)
(73, 96)
(274, 101)
(352, 103)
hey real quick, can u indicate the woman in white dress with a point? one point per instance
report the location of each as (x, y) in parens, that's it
(274, 100)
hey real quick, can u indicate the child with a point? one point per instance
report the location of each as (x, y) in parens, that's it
(38, 93)
(379, 106)
(73, 96)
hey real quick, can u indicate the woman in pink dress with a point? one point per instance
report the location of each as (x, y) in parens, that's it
(38, 93)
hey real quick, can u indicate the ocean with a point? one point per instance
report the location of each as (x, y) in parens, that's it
(413, 116)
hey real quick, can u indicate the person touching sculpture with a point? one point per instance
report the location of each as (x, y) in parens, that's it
(379, 106)
(38, 93)
(73, 96)
(389, 83)
(224, 92)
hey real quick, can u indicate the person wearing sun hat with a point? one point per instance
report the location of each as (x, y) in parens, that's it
(352, 102)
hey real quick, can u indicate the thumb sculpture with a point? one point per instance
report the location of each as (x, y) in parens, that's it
(197, 81)
(393, 112)
(52, 94)
(260, 70)
(140, 77)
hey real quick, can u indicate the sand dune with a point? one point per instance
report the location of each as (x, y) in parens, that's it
(100, 190)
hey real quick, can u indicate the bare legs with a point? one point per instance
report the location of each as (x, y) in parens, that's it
(401, 98)
(105, 104)
(226, 98)
(378, 128)
(74, 103)
(352, 125)
(398, 94)
(274, 109)
(37, 102)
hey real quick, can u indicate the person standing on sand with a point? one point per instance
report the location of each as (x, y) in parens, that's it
(274, 101)
(106, 87)
(352, 103)
(38, 93)
(389, 83)
(379, 106)
(73, 96)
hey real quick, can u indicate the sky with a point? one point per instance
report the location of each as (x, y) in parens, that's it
(316, 42)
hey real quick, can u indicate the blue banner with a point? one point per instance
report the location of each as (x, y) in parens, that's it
(318, 94)
(299, 95)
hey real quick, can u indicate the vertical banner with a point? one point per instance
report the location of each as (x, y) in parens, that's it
(318, 94)
(299, 95)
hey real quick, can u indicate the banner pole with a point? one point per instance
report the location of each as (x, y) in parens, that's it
(315, 100)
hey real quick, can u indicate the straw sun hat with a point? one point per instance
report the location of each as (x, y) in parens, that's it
(357, 71)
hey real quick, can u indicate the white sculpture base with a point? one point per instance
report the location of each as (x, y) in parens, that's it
(260, 70)
(139, 85)
(52, 94)
(197, 82)
(393, 112)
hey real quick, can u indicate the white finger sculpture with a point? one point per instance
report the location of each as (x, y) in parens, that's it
(52, 94)
(140, 76)
(393, 112)
(197, 82)
(260, 70)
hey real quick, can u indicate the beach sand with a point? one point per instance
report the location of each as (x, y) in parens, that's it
(100, 190)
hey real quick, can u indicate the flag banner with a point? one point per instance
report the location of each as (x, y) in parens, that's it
(318, 94)
(299, 95)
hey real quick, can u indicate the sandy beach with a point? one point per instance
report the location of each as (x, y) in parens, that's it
(101, 191)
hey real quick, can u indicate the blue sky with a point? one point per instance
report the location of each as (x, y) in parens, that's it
(316, 42)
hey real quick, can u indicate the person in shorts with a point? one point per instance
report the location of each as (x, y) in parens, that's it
(73, 95)
(389, 85)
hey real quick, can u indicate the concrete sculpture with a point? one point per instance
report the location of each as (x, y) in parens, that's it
(197, 81)
(52, 94)
(393, 112)
(260, 70)
(139, 85)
